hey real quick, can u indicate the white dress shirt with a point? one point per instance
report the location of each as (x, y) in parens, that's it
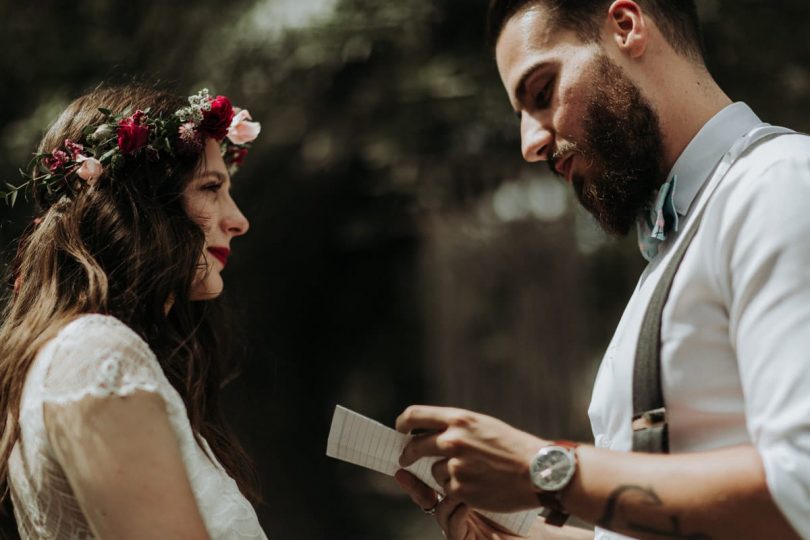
(735, 333)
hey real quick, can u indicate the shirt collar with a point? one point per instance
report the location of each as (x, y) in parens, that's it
(706, 149)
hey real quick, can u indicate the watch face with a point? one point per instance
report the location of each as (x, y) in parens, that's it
(552, 468)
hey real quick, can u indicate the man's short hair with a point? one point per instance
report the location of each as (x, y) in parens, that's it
(676, 19)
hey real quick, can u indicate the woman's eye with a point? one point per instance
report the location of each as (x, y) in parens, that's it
(213, 186)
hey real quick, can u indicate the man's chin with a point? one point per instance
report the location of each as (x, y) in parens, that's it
(613, 222)
(616, 219)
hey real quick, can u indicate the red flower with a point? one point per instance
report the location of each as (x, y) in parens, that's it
(57, 159)
(133, 134)
(217, 119)
(236, 155)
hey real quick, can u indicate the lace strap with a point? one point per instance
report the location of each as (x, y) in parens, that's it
(98, 356)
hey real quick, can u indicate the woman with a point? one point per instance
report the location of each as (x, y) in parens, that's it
(111, 358)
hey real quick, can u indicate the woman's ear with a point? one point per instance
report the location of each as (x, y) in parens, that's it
(627, 26)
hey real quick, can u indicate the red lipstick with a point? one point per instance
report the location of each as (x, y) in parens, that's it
(221, 254)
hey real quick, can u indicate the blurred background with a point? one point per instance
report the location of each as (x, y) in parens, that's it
(400, 251)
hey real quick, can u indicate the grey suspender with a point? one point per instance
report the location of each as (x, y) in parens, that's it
(650, 429)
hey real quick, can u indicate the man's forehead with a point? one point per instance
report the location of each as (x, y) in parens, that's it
(531, 27)
(529, 38)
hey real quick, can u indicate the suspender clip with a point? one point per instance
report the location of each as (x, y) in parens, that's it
(650, 419)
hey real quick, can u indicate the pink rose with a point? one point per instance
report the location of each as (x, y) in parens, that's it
(242, 130)
(132, 133)
(73, 149)
(90, 169)
(217, 119)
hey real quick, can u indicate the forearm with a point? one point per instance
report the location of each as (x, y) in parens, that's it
(550, 532)
(720, 494)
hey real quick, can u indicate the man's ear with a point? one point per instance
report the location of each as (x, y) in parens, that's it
(627, 25)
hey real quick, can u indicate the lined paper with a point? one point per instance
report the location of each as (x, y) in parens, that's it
(362, 441)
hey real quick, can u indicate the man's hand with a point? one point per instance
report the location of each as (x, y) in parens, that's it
(456, 520)
(487, 461)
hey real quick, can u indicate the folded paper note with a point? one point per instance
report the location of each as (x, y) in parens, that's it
(362, 441)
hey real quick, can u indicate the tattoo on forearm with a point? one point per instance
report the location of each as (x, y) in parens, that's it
(647, 496)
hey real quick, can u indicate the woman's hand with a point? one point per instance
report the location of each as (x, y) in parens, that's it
(456, 520)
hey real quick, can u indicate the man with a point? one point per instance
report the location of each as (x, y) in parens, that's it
(617, 98)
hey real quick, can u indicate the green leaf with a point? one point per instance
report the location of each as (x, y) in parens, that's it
(105, 112)
(14, 197)
(12, 187)
(108, 154)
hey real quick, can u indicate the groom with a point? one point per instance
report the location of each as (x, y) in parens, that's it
(616, 98)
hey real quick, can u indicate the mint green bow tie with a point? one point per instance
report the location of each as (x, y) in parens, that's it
(654, 224)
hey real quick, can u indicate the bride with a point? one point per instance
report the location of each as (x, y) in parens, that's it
(111, 346)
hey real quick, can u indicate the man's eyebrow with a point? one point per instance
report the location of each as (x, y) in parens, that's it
(520, 88)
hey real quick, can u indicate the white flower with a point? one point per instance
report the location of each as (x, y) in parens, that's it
(102, 133)
(90, 169)
(242, 130)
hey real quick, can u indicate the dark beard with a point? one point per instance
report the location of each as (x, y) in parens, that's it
(624, 144)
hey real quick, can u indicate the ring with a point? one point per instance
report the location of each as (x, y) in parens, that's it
(432, 510)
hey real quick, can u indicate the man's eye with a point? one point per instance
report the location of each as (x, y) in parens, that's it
(543, 99)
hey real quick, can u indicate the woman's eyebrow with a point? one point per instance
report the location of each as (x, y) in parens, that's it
(216, 174)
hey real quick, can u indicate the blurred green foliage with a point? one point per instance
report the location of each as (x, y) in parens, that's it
(400, 251)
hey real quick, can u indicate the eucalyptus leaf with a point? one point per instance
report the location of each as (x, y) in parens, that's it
(108, 154)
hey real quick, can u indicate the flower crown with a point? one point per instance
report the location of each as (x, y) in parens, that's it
(121, 136)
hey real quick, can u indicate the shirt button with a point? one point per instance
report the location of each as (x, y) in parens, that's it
(602, 441)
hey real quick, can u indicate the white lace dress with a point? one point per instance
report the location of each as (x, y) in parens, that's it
(100, 356)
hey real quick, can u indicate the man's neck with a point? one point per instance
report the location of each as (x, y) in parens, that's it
(685, 106)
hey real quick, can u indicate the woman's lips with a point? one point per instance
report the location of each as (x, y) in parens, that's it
(221, 254)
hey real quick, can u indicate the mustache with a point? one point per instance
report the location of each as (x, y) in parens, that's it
(562, 150)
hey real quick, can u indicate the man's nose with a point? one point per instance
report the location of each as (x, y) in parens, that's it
(535, 139)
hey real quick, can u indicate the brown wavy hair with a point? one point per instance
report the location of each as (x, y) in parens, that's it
(121, 248)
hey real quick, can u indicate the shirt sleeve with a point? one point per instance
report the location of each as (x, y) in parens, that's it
(765, 254)
(99, 356)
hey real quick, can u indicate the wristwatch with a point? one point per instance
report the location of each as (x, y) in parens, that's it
(551, 470)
